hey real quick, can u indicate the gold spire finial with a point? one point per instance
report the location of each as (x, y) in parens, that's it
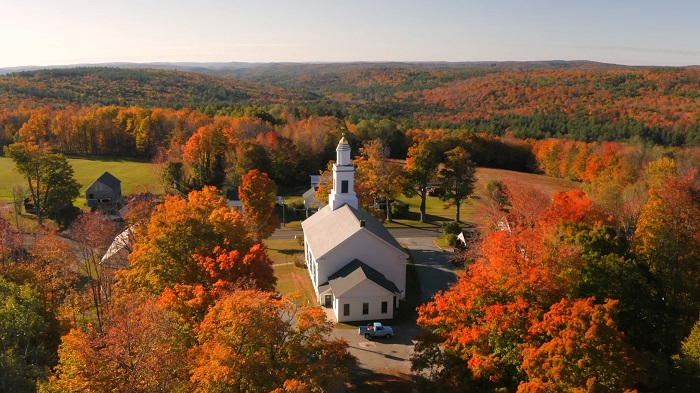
(343, 141)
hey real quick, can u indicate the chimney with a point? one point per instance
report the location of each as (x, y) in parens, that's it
(362, 223)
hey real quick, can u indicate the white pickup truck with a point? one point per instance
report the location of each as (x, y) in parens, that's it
(376, 329)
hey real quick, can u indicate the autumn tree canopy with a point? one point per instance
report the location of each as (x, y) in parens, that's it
(285, 346)
(575, 337)
(24, 335)
(92, 234)
(195, 250)
(378, 177)
(526, 264)
(140, 348)
(259, 196)
(421, 167)
(457, 178)
(667, 241)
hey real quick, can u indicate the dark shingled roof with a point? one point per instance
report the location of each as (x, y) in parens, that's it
(354, 273)
(109, 180)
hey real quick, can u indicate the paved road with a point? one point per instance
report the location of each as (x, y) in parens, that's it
(434, 270)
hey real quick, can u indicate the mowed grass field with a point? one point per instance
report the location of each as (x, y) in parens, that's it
(136, 176)
(436, 212)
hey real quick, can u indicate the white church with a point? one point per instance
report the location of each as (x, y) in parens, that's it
(356, 266)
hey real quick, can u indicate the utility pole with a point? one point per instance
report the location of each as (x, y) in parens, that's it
(280, 201)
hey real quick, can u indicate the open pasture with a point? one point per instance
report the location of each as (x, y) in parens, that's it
(136, 176)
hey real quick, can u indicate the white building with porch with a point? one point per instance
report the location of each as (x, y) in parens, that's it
(356, 266)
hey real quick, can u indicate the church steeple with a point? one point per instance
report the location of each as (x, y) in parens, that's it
(343, 191)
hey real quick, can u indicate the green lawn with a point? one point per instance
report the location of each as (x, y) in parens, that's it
(136, 176)
(290, 278)
(8, 179)
(435, 212)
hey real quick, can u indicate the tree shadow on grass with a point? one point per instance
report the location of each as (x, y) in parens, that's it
(428, 218)
(364, 380)
(108, 158)
(289, 251)
(413, 220)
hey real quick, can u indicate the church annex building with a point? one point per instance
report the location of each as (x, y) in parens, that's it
(356, 266)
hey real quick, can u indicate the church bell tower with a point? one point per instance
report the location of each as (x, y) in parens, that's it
(343, 178)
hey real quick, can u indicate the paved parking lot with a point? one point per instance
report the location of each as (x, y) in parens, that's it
(380, 354)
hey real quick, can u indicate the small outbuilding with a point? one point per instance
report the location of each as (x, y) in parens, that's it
(105, 194)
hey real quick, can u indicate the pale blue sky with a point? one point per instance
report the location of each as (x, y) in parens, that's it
(641, 32)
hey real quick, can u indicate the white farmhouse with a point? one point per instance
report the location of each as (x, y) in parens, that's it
(355, 264)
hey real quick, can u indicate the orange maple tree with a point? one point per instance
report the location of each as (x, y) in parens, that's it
(259, 196)
(524, 265)
(286, 347)
(577, 347)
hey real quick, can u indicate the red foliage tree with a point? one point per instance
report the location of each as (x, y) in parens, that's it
(524, 266)
(141, 348)
(580, 350)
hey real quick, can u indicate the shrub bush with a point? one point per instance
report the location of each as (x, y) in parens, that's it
(299, 205)
(451, 239)
(399, 209)
(298, 260)
(451, 227)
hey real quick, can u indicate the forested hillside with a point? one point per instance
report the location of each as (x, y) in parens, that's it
(579, 100)
(122, 86)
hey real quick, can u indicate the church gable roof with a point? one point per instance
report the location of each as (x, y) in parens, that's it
(328, 228)
(352, 274)
(375, 226)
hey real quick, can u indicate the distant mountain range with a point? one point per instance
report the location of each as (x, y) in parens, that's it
(208, 68)
(242, 69)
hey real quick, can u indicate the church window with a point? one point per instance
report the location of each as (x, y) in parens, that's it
(365, 308)
(385, 306)
(346, 310)
(344, 187)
